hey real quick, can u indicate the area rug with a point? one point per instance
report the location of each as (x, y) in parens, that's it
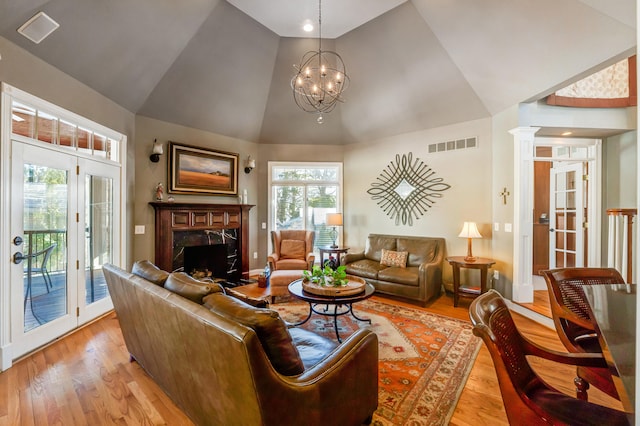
(424, 358)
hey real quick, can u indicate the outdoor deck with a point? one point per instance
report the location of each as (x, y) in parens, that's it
(43, 307)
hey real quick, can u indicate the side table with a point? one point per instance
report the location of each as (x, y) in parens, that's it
(330, 251)
(458, 262)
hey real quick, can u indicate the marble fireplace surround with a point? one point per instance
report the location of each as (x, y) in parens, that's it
(178, 225)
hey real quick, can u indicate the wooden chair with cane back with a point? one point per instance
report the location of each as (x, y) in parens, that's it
(573, 322)
(529, 400)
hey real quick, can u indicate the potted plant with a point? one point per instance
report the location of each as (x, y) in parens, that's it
(327, 277)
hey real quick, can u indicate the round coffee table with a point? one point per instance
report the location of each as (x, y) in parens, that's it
(296, 290)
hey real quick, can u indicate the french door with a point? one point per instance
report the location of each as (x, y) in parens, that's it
(64, 223)
(566, 243)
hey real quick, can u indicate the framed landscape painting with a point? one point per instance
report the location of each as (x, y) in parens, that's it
(194, 170)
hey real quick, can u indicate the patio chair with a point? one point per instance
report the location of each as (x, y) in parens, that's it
(44, 263)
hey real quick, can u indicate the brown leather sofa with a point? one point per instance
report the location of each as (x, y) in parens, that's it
(421, 277)
(228, 363)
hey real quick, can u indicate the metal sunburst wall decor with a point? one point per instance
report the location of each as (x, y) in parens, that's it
(406, 189)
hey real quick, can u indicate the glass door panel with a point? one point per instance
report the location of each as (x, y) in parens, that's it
(42, 224)
(566, 219)
(100, 223)
(45, 221)
(98, 235)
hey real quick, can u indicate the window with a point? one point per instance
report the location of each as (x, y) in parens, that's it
(301, 195)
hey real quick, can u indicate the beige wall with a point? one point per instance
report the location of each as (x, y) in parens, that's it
(467, 171)
(24, 71)
(502, 177)
(148, 175)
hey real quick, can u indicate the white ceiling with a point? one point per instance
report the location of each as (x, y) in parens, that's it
(225, 66)
(286, 17)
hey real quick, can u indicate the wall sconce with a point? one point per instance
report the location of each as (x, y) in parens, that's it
(249, 164)
(469, 231)
(156, 152)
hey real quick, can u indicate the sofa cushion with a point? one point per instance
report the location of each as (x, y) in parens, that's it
(394, 258)
(292, 249)
(375, 244)
(312, 347)
(365, 268)
(423, 250)
(407, 276)
(150, 272)
(270, 328)
(190, 288)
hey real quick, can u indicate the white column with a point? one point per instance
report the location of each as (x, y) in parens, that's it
(523, 138)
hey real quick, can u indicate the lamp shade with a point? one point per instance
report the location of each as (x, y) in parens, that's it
(334, 219)
(470, 230)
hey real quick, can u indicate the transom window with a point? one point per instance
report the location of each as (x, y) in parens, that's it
(48, 127)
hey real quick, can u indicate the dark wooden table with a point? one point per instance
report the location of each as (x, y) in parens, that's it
(330, 251)
(614, 309)
(480, 263)
(296, 290)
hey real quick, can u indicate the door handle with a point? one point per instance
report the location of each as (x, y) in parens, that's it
(18, 258)
(552, 230)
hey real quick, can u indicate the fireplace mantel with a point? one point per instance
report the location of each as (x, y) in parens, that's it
(174, 220)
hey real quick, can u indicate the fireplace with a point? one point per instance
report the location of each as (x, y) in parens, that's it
(209, 261)
(183, 225)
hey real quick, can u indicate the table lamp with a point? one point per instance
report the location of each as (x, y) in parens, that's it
(469, 231)
(334, 219)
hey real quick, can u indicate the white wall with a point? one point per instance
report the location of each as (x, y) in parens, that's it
(502, 177)
(620, 168)
(468, 171)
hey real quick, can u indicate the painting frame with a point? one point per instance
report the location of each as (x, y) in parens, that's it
(202, 171)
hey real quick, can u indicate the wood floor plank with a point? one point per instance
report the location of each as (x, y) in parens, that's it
(86, 378)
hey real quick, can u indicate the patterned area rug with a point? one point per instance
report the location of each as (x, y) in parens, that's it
(424, 358)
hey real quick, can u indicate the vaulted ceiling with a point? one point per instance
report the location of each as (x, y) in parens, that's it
(225, 66)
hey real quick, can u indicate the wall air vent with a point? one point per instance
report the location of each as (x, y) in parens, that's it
(451, 145)
(38, 27)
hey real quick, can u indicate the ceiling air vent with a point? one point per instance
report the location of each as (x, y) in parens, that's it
(38, 27)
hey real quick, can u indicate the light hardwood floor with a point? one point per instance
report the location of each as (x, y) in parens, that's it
(86, 378)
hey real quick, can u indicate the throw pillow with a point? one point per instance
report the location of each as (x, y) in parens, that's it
(150, 272)
(190, 288)
(270, 328)
(394, 258)
(292, 249)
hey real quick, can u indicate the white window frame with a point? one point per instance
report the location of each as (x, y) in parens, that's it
(9, 94)
(302, 164)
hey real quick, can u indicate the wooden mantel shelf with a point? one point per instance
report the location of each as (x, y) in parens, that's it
(179, 219)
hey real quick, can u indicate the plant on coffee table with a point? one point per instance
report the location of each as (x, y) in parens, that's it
(327, 277)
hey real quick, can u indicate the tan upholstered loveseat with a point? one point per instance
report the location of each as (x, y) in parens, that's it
(228, 363)
(421, 277)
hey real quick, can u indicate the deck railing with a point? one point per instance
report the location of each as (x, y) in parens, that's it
(36, 240)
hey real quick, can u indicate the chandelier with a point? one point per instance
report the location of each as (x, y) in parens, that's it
(320, 79)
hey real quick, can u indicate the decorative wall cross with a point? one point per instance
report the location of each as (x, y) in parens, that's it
(504, 194)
